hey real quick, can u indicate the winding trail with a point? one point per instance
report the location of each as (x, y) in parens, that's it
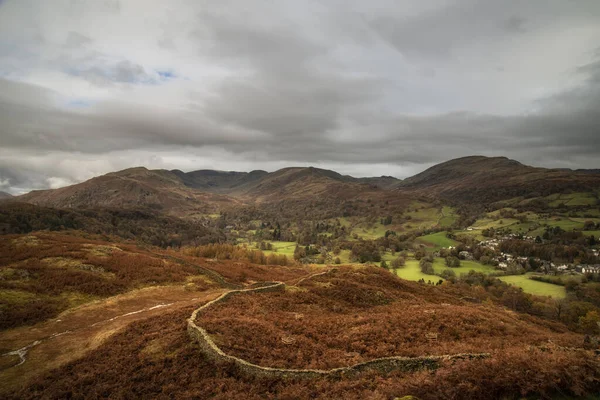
(28, 351)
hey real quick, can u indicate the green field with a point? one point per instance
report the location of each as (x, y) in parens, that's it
(439, 264)
(572, 199)
(412, 272)
(437, 240)
(283, 248)
(372, 232)
(448, 217)
(535, 287)
(487, 223)
(345, 257)
(595, 234)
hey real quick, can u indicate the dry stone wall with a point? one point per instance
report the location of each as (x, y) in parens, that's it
(381, 365)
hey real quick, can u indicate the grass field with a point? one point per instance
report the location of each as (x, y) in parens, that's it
(412, 272)
(373, 232)
(596, 234)
(535, 287)
(283, 248)
(448, 217)
(437, 240)
(439, 264)
(572, 199)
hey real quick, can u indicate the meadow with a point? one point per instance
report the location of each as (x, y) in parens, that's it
(412, 272)
(437, 240)
(535, 287)
(439, 265)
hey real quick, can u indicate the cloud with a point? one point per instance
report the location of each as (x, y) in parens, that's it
(378, 88)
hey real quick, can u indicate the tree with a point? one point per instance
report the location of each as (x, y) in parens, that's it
(426, 267)
(448, 274)
(590, 323)
(452, 262)
(299, 253)
(589, 225)
(399, 262)
(383, 264)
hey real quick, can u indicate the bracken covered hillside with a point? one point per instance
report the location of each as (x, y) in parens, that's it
(351, 316)
(489, 179)
(155, 358)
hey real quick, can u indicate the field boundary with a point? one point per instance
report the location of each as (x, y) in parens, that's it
(381, 365)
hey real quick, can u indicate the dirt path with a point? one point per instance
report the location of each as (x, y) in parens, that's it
(27, 352)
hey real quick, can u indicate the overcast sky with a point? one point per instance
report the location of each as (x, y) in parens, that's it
(368, 88)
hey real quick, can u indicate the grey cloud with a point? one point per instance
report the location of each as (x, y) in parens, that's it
(75, 40)
(438, 32)
(303, 84)
(121, 72)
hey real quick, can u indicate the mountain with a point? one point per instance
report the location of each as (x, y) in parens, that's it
(383, 182)
(208, 191)
(302, 183)
(4, 195)
(488, 179)
(218, 181)
(231, 182)
(474, 179)
(130, 188)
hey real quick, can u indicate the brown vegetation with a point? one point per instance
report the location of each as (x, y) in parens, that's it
(246, 273)
(155, 359)
(44, 274)
(479, 179)
(353, 316)
(239, 253)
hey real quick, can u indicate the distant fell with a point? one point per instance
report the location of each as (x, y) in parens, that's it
(131, 188)
(487, 179)
(218, 181)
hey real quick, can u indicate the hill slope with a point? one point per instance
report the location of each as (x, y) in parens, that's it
(297, 183)
(130, 188)
(239, 183)
(488, 179)
(209, 180)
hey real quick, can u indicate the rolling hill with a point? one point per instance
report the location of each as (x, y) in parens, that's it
(204, 191)
(209, 180)
(474, 179)
(131, 188)
(488, 179)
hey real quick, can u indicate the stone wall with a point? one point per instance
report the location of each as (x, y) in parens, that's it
(381, 365)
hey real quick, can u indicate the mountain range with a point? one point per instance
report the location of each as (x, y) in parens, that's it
(474, 179)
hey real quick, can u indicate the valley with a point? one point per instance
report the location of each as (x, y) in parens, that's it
(463, 258)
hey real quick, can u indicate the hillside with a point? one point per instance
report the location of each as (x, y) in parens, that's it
(142, 225)
(4, 195)
(339, 319)
(488, 179)
(62, 295)
(218, 181)
(239, 183)
(303, 183)
(131, 188)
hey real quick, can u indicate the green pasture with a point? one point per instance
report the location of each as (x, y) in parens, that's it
(535, 287)
(412, 272)
(439, 264)
(437, 240)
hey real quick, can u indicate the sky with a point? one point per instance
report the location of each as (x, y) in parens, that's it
(367, 88)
